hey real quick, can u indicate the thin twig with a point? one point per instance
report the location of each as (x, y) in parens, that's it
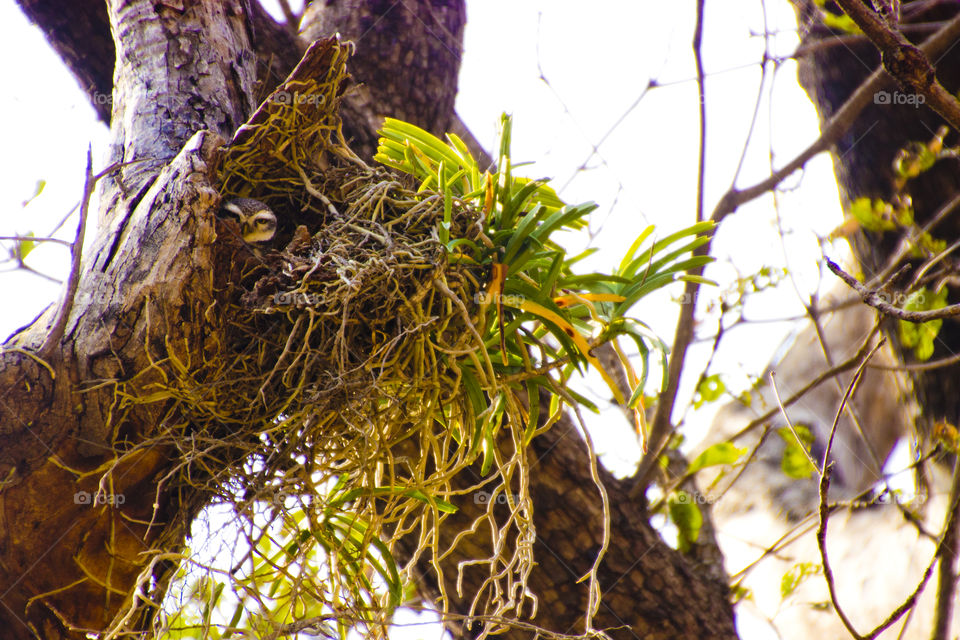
(832, 131)
(786, 418)
(847, 41)
(876, 300)
(825, 471)
(846, 365)
(291, 19)
(824, 511)
(909, 243)
(661, 426)
(37, 239)
(76, 248)
(836, 126)
(702, 110)
(920, 366)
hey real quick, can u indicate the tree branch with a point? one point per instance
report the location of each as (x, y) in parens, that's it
(836, 126)
(905, 61)
(661, 426)
(825, 470)
(876, 300)
(832, 131)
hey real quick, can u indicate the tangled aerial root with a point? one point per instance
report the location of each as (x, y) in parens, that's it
(331, 410)
(407, 327)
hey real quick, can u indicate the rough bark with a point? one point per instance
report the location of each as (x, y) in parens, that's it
(410, 78)
(68, 565)
(62, 551)
(156, 271)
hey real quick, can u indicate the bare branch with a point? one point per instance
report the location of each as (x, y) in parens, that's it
(825, 471)
(65, 243)
(50, 343)
(836, 126)
(904, 60)
(834, 129)
(876, 300)
(661, 425)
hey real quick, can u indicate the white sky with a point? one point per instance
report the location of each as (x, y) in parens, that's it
(598, 63)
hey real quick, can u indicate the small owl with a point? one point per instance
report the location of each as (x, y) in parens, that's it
(257, 222)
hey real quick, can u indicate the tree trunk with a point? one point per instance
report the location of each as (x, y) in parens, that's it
(156, 287)
(863, 161)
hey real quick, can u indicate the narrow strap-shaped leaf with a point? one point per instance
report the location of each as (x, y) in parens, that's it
(629, 256)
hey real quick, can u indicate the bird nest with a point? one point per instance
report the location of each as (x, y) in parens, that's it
(403, 327)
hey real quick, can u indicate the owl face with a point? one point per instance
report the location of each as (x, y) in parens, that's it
(257, 222)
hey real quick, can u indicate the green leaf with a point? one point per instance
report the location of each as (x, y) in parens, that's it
(841, 23)
(643, 286)
(796, 575)
(698, 280)
(524, 229)
(513, 207)
(720, 453)
(388, 491)
(795, 463)
(589, 279)
(646, 257)
(387, 569)
(38, 189)
(630, 256)
(475, 395)
(430, 145)
(685, 514)
(234, 620)
(637, 396)
(24, 246)
(658, 265)
(920, 336)
(583, 401)
(491, 425)
(533, 401)
(739, 593)
(549, 283)
(710, 389)
(873, 215)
